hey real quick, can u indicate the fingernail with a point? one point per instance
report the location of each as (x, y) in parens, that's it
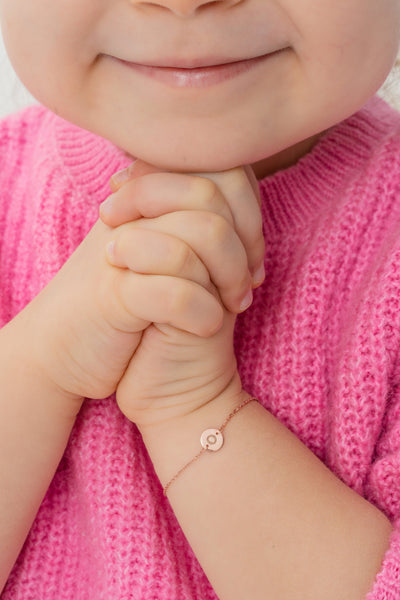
(247, 300)
(120, 177)
(110, 249)
(106, 206)
(259, 275)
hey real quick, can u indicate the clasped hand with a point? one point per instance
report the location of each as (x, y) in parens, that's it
(189, 250)
(146, 305)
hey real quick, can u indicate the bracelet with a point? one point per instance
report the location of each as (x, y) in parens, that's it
(211, 440)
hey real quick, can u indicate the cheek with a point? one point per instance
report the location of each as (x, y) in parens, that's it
(11, 26)
(25, 39)
(349, 48)
(49, 44)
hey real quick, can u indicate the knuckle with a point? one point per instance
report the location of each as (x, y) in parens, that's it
(238, 173)
(216, 228)
(240, 180)
(177, 298)
(212, 199)
(180, 257)
(206, 190)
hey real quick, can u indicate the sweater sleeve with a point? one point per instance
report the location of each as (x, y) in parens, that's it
(383, 490)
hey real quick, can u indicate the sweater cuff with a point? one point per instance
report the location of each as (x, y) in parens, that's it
(387, 582)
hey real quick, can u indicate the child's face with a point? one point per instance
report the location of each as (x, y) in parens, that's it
(335, 55)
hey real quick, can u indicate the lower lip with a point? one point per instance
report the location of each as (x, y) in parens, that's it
(201, 76)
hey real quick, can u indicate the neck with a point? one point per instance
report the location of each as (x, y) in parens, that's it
(285, 158)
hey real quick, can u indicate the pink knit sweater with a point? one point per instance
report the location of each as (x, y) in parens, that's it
(319, 348)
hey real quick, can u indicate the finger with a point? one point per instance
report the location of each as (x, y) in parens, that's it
(136, 169)
(239, 187)
(215, 243)
(169, 300)
(157, 194)
(139, 168)
(253, 182)
(156, 253)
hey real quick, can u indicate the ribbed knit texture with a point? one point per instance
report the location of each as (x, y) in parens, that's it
(319, 348)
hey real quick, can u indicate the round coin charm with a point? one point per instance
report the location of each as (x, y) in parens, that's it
(212, 439)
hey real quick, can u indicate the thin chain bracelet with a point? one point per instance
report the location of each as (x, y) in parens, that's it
(211, 440)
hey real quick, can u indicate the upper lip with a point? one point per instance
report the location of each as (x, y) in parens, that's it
(195, 63)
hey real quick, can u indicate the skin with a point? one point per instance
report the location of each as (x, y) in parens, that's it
(337, 55)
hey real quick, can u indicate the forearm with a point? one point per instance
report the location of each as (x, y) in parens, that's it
(265, 518)
(36, 419)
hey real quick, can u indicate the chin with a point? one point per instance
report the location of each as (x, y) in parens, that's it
(190, 151)
(188, 162)
(194, 151)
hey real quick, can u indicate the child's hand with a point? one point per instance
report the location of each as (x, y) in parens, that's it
(81, 333)
(199, 210)
(173, 370)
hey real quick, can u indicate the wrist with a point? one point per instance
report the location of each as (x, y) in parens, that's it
(22, 358)
(175, 443)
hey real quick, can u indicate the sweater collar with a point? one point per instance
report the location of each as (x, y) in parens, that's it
(291, 198)
(87, 159)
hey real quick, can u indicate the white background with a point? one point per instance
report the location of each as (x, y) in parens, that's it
(14, 96)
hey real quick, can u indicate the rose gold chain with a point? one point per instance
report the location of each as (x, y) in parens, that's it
(209, 438)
